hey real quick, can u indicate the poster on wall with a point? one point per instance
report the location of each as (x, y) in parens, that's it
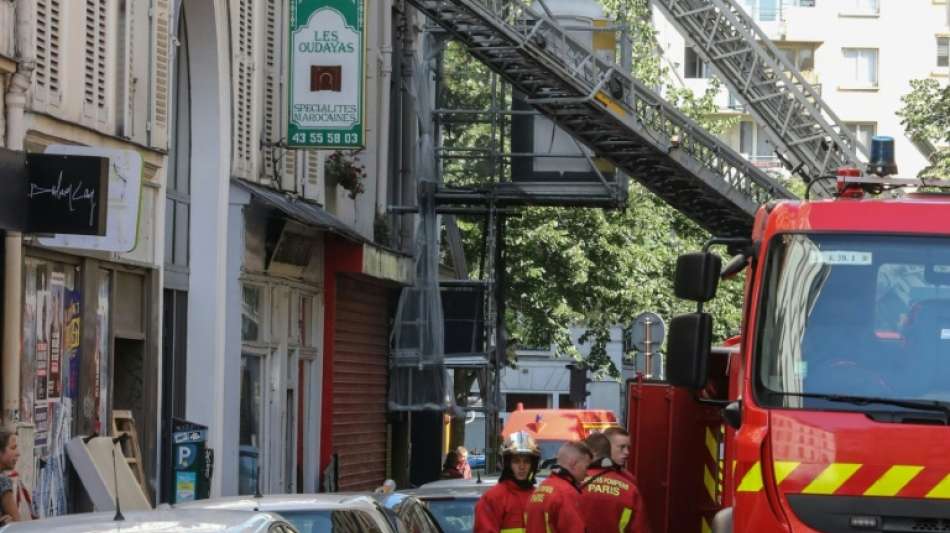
(327, 75)
(57, 288)
(72, 337)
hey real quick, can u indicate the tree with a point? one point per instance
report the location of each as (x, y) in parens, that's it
(926, 119)
(582, 266)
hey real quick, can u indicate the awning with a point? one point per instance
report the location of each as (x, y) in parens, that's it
(300, 210)
(370, 259)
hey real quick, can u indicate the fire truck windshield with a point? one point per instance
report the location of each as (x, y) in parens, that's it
(854, 316)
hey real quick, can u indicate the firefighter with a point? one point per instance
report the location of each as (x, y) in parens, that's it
(555, 505)
(501, 508)
(610, 499)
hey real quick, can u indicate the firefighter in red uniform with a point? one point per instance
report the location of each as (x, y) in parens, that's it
(610, 499)
(555, 505)
(501, 509)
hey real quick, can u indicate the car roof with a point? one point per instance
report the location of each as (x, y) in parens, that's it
(286, 502)
(161, 520)
(453, 488)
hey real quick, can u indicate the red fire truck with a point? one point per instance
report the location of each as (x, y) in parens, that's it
(831, 410)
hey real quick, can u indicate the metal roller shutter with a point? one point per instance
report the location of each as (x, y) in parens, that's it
(359, 383)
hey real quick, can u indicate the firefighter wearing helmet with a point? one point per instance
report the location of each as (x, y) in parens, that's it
(501, 508)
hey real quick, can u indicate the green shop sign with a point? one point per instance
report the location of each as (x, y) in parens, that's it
(327, 78)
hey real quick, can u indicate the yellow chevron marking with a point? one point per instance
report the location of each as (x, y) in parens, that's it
(942, 490)
(710, 483)
(752, 480)
(896, 478)
(712, 445)
(783, 469)
(831, 478)
(706, 528)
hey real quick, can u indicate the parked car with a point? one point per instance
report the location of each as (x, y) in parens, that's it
(163, 520)
(314, 513)
(411, 511)
(452, 501)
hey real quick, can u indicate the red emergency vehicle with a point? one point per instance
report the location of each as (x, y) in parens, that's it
(831, 411)
(551, 428)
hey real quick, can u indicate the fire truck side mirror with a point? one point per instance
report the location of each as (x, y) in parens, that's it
(688, 350)
(697, 276)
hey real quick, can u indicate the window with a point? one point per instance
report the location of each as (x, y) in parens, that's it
(801, 58)
(178, 190)
(861, 66)
(763, 10)
(251, 317)
(858, 315)
(754, 144)
(863, 131)
(694, 66)
(943, 51)
(860, 7)
(249, 440)
(527, 400)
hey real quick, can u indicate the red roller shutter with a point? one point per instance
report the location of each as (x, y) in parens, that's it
(359, 383)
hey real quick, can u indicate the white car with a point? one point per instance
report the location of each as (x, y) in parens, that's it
(313, 513)
(160, 521)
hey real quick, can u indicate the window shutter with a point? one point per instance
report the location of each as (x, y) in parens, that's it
(245, 133)
(47, 83)
(161, 74)
(95, 104)
(311, 178)
(272, 88)
(134, 97)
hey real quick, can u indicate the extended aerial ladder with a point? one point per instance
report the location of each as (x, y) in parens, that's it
(616, 116)
(808, 135)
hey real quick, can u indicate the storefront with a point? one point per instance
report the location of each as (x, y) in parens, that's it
(88, 350)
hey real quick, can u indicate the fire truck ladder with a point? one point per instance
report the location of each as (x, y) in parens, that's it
(810, 138)
(618, 117)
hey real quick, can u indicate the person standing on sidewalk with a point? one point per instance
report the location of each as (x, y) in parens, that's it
(610, 499)
(15, 504)
(555, 505)
(502, 508)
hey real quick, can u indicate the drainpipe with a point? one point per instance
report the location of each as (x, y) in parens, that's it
(382, 155)
(13, 273)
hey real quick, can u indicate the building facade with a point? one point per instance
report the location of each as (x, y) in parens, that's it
(81, 335)
(257, 296)
(860, 54)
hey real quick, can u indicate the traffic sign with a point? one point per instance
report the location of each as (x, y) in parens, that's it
(647, 332)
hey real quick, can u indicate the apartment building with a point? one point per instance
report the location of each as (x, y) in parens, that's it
(860, 54)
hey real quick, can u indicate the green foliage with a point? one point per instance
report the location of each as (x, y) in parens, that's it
(593, 267)
(926, 118)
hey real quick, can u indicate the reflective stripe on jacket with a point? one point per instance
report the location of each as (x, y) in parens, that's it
(501, 509)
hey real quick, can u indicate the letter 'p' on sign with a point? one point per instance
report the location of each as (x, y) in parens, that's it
(325, 78)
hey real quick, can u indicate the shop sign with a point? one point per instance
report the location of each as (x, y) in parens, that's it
(123, 200)
(54, 194)
(327, 75)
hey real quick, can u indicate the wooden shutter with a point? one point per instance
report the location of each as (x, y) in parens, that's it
(243, 46)
(161, 74)
(96, 63)
(272, 89)
(133, 91)
(311, 178)
(47, 81)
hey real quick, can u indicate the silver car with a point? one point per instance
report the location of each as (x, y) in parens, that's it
(159, 521)
(313, 513)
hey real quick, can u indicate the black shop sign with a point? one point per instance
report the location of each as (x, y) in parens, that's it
(46, 193)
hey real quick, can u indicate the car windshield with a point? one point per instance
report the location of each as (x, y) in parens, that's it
(456, 515)
(331, 521)
(855, 316)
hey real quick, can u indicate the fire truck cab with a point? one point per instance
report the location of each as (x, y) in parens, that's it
(835, 398)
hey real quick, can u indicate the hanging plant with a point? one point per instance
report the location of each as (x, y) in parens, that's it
(347, 172)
